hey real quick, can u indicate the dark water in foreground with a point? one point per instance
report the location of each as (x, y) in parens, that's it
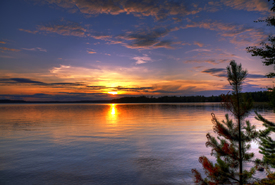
(105, 143)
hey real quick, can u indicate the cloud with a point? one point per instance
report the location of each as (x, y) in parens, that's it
(185, 43)
(198, 44)
(96, 87)
(120, 88)
(199, 50)
(218, 72)
(142, 60)
(91, 51)
(133, 88)
(240, 34)
(146, 39)
(99, 36)
(210, 61)
(101, 75)
(197, 67)
(9, 49)
(35, 82)
(251, 5)
(66, 28)
(2, 42)
(252, 37)
(213, 70)
(28, 31)
(213, 6)
(221, 72)
(69, 28)
(255, 76)
(159, 10)
(35, 49)
(149, 38)
(165, 44)
(25, 80)
(76, 86)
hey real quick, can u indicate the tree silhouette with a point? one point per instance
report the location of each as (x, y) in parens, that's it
(267, 144)
(267, 52)
(267, 49)
(231, 145)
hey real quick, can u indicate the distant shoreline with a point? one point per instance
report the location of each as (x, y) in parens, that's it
(259, 98)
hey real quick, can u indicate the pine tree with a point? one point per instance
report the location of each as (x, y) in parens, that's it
(267, 53)
(231, 145)
(267, 144)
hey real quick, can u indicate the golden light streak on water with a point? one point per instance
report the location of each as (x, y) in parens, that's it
(112, 115)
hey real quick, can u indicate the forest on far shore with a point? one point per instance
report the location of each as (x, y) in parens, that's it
(260, 96)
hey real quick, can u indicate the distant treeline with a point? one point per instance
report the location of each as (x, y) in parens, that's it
(145, 99)
(260, 96)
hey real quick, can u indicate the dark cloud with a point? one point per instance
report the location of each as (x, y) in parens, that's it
(213, 70)
(164, 44)
(67, 28)
(97, 87)
(221, 72)
(133, 89)
(218, 72)
(160, 10)
(25, 80)
(63, 96)
(20, 81)
(146, 39)
(35, 82)
(120, 88)
(149, 38)
(255, 76)
(65, 84)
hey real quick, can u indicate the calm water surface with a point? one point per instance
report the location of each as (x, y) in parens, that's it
(105, 143)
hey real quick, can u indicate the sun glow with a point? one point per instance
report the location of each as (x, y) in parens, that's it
(112, 92)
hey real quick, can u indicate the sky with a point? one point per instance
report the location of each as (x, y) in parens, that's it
(104, 49)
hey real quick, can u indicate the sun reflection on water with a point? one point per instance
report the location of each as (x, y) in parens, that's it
(112, 115)
(113, 107)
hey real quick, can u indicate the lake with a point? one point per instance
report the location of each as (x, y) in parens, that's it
(106, 143)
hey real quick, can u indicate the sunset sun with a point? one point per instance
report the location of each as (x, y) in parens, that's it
(112, 92)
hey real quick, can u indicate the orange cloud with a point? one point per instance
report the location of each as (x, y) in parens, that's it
(28, 31)
(73, 29)
(91, 52)
(251, 5)
(241, 34)
(198, 44)
(9, 49)
(158, 9)
(35, 49)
